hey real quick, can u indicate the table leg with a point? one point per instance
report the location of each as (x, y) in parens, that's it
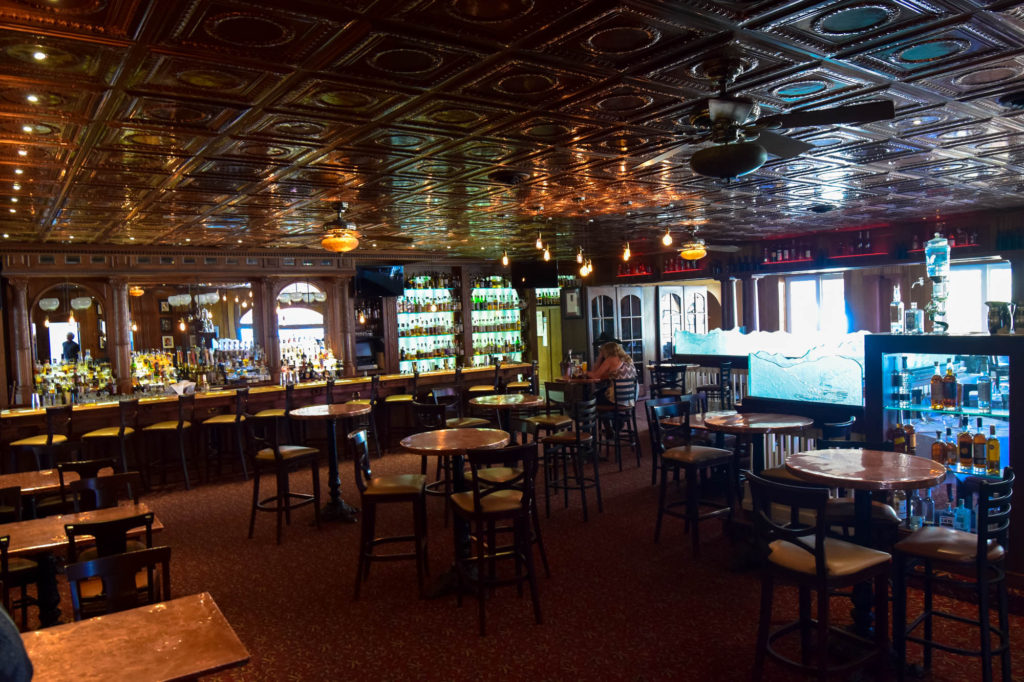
(863, 597)
(46, 591)
(336, 508)
(448, 582)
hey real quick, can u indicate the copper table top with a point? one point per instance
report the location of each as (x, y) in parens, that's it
(46, 534)
(862, 469)
(503, 400)
(332, 411)
(36, 482)
(577, 380)
(756, 423)
(696, 420)
(454, 441)
(171, 640)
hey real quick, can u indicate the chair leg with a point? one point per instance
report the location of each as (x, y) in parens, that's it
(662, 494)
(597, 482)
(881, 618)
(240, 439)
(316, 490)
(928, 605)
(540, 540)
(531, 574)
(255, 501)
(281, 500)
(899, 614)
(823, 634)
(763, 624)
(481, 590)
(419, 540)
(693, 508)
(804, 614)
(577, 462)
(1004, 628)
(184, 462)
(984, 629)
(365, 537)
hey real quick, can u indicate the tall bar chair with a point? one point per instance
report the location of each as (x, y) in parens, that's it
(526, 385)
(369, 422)
(128, 418)
(50, 447)
(223, 428)
(15, 572)
(487, 389)
(157, 434)
(573, 448)
(619, 420)
(396, 409)
(283, 413)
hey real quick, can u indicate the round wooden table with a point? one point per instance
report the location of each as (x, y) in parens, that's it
(865, 471)
(758, 424)
(503, 404)
(336, 508)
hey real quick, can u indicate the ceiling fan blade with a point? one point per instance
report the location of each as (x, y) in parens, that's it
(722, 248)
(782, 146)
(394, 240)
(664, 156)
(735, 110)
(855, 113)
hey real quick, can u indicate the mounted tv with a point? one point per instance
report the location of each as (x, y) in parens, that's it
(533, 274)
(381, 280)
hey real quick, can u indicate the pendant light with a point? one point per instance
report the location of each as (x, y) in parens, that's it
(579, 255)
(539, 243)
(181, 324)
(666, 239)
(504, 259)
(362, 317)
(547, 253)
(46, 321)
(626, 252)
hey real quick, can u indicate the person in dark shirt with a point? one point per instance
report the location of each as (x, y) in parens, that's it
(71, 349)
(15, 665)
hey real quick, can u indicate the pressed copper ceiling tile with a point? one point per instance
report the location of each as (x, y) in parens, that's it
(51, 58)
(519, 81)
(345, 100)
(97, 17)
(402, 60)
(179, 114)
(499, 23)
(190, 77)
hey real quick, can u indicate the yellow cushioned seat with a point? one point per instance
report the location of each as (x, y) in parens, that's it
(167, 426)
(272, 412)
(842, 511)
(287, 452)
(130, 546)
(222, 419)
(520, 384)
(946, 544)
(695, 454)
(554, 420)
(40, 440)
(498, 474)
(17, 564)
(783, 475)
(93, 587)
(465, 422)
(841, 558)
(399, 398)
(359, 401)
(109, 432)
(396, 484)
(501, 501)
(666, 392)
(566, 437)
(482, 388)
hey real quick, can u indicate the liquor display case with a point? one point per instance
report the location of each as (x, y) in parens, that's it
(935, 383)
(429, 324)
(497, 328)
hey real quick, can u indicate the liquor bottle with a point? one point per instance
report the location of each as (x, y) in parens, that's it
(980, 450)
(939, 449)
(944, 518)
(949, 387)
(899, 438)
(916, 511)
(899, 503)
(910, 434)
(913, 320)
(962, 517)
(965, 447)
(896, 321)
(902, 381)
(984, 389)
(928, 508)
(992, 461)
(936, 389)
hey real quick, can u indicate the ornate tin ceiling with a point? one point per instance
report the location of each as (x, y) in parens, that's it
(222, 123)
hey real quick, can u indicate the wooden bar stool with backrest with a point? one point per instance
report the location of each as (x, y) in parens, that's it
(494, 500)
(369, 422)
(396, 410)
(526, 385)
(182, 428)
(789, 522)
(432, 417)
(486, 389)
(452, 399)
(694, 461)
(115, 579)
(554, 418)
(963, 561)
(670, 434)
(573, 447)
(284, 413)
(103, 492)
(64, 503)
(15, 572)
(667, 382)
(128, 425)
(46, 448)
(388, 489)
(619, 420)
(271, 456)
(225, 427)
(720, 393)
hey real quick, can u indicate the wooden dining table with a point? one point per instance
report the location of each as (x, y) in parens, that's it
(503, 404)
(42, 538)
(178, 639)
(336, 509)
(753, 427)
(32, 483)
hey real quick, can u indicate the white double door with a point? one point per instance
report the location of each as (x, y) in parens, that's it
(618, 312)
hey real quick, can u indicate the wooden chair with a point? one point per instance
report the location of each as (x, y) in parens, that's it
(11, 507)
(111, 537)
(799, 553)
(527, 384)
(431, 417)
(695, 461)
(369, 422)
(962, 561)
(668, 433)
(573, 447)
(46, 448)
(272, 457)
(15, 572)
(284, 413)
(389, 489)
(667, 382)
(64, 503)
(396, 410)
(618, 421)
(504, 499)
(453, 400)
(128, 425)
(102, 492)
(554, 418)
(118, 577)
(486, 389)
(219, 429)
(720, 392)
(182, 428)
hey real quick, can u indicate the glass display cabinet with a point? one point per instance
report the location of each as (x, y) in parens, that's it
(429, 325)
(497, 329)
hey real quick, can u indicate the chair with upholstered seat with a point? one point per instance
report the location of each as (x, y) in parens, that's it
(667, 382)
(451, 397)
(46, 448)
(719, 394)
(15, 572)
(64, 503)
(566, 454)
(527, 384)
(695, 461)
(271, 456)
(799, 553)
(284, 413)
(487, 389)
(369, 422)
(397, 412)
(553, 418)
(222, 428)
(388, 489)
(618, 421)
(120, 581)
(157, 434)
(103, 492)
(109, 537)
(668, 432)
(128, 425)
(505, 500)
(963, 561)
(431, 417)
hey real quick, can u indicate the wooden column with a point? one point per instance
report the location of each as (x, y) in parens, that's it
(119, 335)
(751, 303)
(729, 303)
(345, 324)
(21, 341)
(264, 322)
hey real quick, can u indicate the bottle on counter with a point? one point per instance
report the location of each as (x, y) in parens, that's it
(899, 438)
(962, 517)
(965, 447)
(913, 320)
(950, 387)
(938, 449)
(916, 519)
(937, 389)
(992, 461)
(928, 508)
(980, 450)
(952, 452)
(896, 317)
(910, 436)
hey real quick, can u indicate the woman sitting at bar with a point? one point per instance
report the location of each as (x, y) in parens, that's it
(613, 364)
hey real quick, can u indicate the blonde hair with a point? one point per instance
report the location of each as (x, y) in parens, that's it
(613, 349)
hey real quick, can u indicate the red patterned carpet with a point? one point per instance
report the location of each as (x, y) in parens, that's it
(616, 607)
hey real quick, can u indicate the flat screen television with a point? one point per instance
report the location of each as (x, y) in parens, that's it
(380, 280)
(533, 274)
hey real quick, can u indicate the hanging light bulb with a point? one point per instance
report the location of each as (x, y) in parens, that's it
(250, 293)
(71, 317)
(46, 321)
(666, 239)
(224, 298)
(579, 256)
(245, 304)
(362, 317)
(278, 308)
(236, 299)
(504, 259)
(626, 252)
(135, 327)
(539, 243)
(181, 324)
(547, 254)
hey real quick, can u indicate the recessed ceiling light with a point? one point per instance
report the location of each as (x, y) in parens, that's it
(32, 98)
(71, 236)
(22, 152)
(188, 239)
(14, 200)
(18, 171)
(6, 236)
(39, 55)
(239, 241)
(12, 210)
(26, 129)
(131, 239)
(16, 187)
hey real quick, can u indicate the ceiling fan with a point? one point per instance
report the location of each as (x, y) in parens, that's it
(695, 248)
(742, 138)
(340, 235)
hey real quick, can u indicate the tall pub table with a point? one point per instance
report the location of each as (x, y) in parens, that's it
(865, 471)
(336, 508)
(503, 404)
(753, 427)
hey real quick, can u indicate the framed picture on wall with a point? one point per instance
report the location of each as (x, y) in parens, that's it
(571, 307)
(165, 324)
(165, 306)
(167, 341)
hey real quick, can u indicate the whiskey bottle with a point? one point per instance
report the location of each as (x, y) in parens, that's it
(937, 389)
(992, 461)
(949, 387)
(965, 447)
(980, 450)
(939, 449)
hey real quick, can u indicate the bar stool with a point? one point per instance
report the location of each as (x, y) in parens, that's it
(487, 389)
(50, 447)
(575, 447)
(721, 392)
(128, 417)
(667, 382)
(282, 413)
(16, 572)
(452, 399)
(182, 427)
(528, 385)
(619, 420)
(398, 405)
(223, 426)
(554, 418)
(965, 561)
(388, 489)
(369, 422)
